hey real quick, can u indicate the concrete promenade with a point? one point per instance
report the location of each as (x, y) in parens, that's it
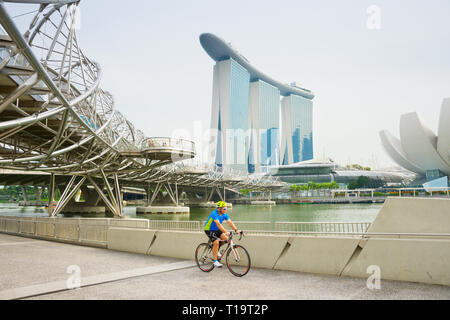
(38, 268)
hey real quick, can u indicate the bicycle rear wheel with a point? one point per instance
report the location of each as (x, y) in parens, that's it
(238, 262)
(203, 257)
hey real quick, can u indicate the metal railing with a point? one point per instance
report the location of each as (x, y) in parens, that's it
(394, 192)
(253, 227)
(94, 231)
(169, 143)
(321, 227)
(170, 225)
(267, 227)
(80, 230)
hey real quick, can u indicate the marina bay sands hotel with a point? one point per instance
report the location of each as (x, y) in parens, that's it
(249, 133)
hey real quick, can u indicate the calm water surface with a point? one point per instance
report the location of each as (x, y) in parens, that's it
(293, 213)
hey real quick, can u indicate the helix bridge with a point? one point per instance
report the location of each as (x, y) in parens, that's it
(60, 127)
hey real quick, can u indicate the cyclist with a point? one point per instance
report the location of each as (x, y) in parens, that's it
(216, 232)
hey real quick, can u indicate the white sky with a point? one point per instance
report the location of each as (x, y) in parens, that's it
(363, 79)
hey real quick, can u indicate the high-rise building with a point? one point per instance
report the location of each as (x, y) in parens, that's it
(230, 115)
(264, 107)
(247, 132)
(297, 137)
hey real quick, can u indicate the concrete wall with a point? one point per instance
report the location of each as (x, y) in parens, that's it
(90, 232)
(264, 250)
(12, 226)
(94, 232)
(408, 258)
(418, 258)
(27, 227)
(413, 215)
(318, 255)
(327, 255)
(68, 230)
(177, 244)
(130, 240)
(45, 227)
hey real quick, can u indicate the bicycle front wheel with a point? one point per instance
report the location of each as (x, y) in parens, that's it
(203, 257)
(238, 261)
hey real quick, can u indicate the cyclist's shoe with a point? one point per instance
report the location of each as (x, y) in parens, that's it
(219, 256)
(217, 264)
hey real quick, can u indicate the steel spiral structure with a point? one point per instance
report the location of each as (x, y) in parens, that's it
(56, 118)
(54, 115)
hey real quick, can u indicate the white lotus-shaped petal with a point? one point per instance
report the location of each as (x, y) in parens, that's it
(393, 147)
(419, 149)
(443, 143)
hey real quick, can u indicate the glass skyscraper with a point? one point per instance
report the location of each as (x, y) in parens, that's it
(297, 138)
(247, 134)
(230, 117)
(264, 108)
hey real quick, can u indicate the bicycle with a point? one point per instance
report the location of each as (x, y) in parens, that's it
(237, 257)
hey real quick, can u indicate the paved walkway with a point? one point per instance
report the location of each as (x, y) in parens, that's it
(36, 269)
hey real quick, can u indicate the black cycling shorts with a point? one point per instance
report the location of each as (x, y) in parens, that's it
(213, 234)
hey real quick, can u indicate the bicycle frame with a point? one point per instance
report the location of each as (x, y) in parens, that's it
(205, 260)
(235, 253)
(230, 244)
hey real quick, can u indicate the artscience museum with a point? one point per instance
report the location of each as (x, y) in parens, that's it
(420, 150)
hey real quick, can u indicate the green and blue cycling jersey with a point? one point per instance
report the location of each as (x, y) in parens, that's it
(210, 225)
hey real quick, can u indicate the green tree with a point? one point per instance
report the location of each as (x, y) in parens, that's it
(365, 182)
(245, 192)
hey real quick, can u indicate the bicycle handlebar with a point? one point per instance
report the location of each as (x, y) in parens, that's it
(240, 235)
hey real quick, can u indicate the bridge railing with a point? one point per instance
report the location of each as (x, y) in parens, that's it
(169, 143)
(267, 227)
(253, 227)
(91, 231)
(393, 192)
(321, 227)
(170, 225)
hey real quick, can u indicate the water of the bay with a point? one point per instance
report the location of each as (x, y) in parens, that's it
(278, 213)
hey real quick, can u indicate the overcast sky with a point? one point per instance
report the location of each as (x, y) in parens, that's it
(364, 77)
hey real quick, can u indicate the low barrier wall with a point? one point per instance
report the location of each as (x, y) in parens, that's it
(325, 255)
(265, 250)
(83, 231)
(413, 215)
(176, 244)
(415, 260)
(410, 255)
(130, 240)
(408, 241)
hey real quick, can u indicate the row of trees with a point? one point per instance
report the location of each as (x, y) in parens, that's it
(361, 183)
(357, 167)
(366, 183)
(245, 192)
(15, 192)
(315, 186)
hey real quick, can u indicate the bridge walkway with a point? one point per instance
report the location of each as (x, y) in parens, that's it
(36, 269)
